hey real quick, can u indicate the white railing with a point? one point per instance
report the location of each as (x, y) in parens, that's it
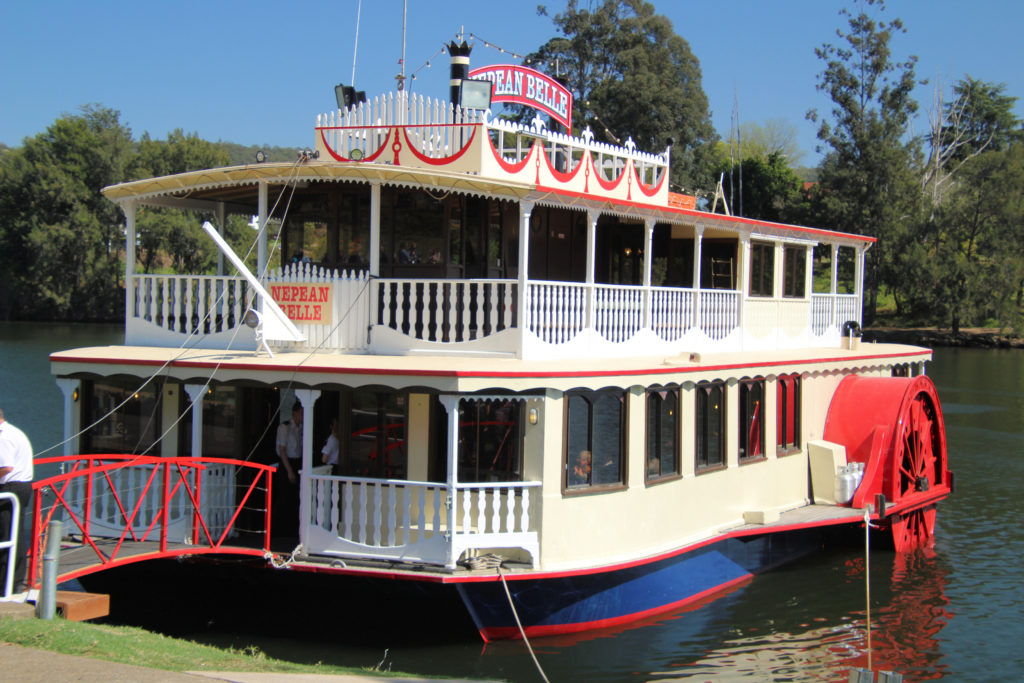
(719, 312)
(618, 311)
(345, 328)
(132, 498)
(201, 304)
(830, 311)
(446, 311)
(435, 126)
(557, 312)
(416, 521)
(672, 312)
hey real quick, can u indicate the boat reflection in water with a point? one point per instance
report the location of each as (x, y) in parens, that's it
(781, 632)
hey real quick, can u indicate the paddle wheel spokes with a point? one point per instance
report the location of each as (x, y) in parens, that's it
(894, 425)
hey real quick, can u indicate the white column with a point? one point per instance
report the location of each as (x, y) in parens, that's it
(451, 404)
(261, 250)
(834, 287)
(221, 218)
(72, 390)
(196, 393)
(809, 271)
(128, 207)
(742, 277)
(592, 217)
(858, 279)
(374, 230)
(523, 271)
(698, 237)
(307, 397)
(648, 260)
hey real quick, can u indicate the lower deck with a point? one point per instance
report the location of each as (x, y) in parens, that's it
(555, 466)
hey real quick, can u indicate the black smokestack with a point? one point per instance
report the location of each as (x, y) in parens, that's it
(459, 53)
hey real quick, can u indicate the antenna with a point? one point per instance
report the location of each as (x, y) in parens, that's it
(355, 48)
(401, 76)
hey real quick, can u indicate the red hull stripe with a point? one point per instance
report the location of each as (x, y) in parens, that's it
(507, 632)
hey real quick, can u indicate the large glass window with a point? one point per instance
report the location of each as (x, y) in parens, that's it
(787, 432)
(751, 436)
(129, 416)
(373, 442)
(662, 433)
(489, 441)
(594, 453)
(710, 425)
(220, 405)
(795, 281)
(762, 269)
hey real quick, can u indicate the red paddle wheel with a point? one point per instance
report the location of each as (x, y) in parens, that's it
(894, 426)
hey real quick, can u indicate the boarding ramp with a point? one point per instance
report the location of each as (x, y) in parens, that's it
(118, 509)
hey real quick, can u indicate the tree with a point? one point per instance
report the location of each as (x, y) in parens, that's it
(61, 241)
(633, 77)
(770, 189)
(974, 241)
(867, 184)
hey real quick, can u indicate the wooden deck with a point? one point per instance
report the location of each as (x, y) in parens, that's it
(807, 515)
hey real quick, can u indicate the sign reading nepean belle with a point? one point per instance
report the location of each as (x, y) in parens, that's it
(521, 85)
(305, 302)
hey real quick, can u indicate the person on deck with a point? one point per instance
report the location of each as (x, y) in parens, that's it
(289, 450)
(15, 477)
(331, 448)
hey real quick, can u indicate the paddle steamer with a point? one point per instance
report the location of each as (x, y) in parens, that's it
(548, 372)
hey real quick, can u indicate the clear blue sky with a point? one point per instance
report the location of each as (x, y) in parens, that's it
(258, 72)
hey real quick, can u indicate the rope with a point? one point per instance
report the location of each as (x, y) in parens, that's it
(274, 559)
(520, 625)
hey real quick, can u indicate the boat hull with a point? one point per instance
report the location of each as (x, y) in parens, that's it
(556, 603)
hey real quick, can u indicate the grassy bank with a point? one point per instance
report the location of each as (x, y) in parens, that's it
(136, 646)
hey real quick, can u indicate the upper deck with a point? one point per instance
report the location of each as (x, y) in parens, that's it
(532, 244)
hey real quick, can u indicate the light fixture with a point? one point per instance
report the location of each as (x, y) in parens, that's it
(252, 318)
(74, 395)
(356, 155)
(533, 415)
(261, 156)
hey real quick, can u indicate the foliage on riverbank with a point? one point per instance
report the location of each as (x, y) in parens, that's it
(136, 646)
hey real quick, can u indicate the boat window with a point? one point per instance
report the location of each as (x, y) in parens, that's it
(662, 433)
(795, 272)
(710, 424)
(489, 441)
(594, 429)
(375, 445)
(762, 269)
(129, 416)
(751, 436)
(787, 410)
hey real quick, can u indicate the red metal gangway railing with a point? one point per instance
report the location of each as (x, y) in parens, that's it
(160, 486)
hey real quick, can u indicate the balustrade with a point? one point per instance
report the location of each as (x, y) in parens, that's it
(420, 521)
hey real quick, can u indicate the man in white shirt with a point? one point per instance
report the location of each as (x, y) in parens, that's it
(286, 489)
(15, 477)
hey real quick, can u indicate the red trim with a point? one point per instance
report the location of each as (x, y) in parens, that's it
(446, 160)
(607, 185)
(467, 374)
(559, 176)
(508, 632)
(509, 167)
(644, 188)
(338, 157)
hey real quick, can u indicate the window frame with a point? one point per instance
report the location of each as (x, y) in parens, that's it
(762, 270)
(785, 421)
(655, 394)
(752, 392)
(592, 399)
(794, 271)
(702, 460)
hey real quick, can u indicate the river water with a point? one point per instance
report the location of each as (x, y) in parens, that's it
(952, 613)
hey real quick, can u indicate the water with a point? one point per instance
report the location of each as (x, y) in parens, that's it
(952, 613)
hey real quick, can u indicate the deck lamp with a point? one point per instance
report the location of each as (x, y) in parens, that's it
(347, 95)
(475, 93)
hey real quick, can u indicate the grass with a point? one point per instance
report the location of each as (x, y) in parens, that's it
(129, 645)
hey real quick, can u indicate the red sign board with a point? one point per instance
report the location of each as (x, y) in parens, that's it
(521, 85)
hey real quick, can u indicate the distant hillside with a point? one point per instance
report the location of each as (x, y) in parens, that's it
(241, 154)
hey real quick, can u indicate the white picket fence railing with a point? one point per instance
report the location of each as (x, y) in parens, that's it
(830, 311)
(349, 317)
(417, 521)
(446, 310)
(186, 304)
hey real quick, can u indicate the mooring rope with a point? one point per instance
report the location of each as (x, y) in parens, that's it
(520, 625)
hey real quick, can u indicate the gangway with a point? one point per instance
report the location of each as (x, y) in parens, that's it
(118, 509)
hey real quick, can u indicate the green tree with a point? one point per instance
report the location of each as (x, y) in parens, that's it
(770, 189)
(169, 231)
(633, 77)
(975, 242)
(868, 183)
(61, 241)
